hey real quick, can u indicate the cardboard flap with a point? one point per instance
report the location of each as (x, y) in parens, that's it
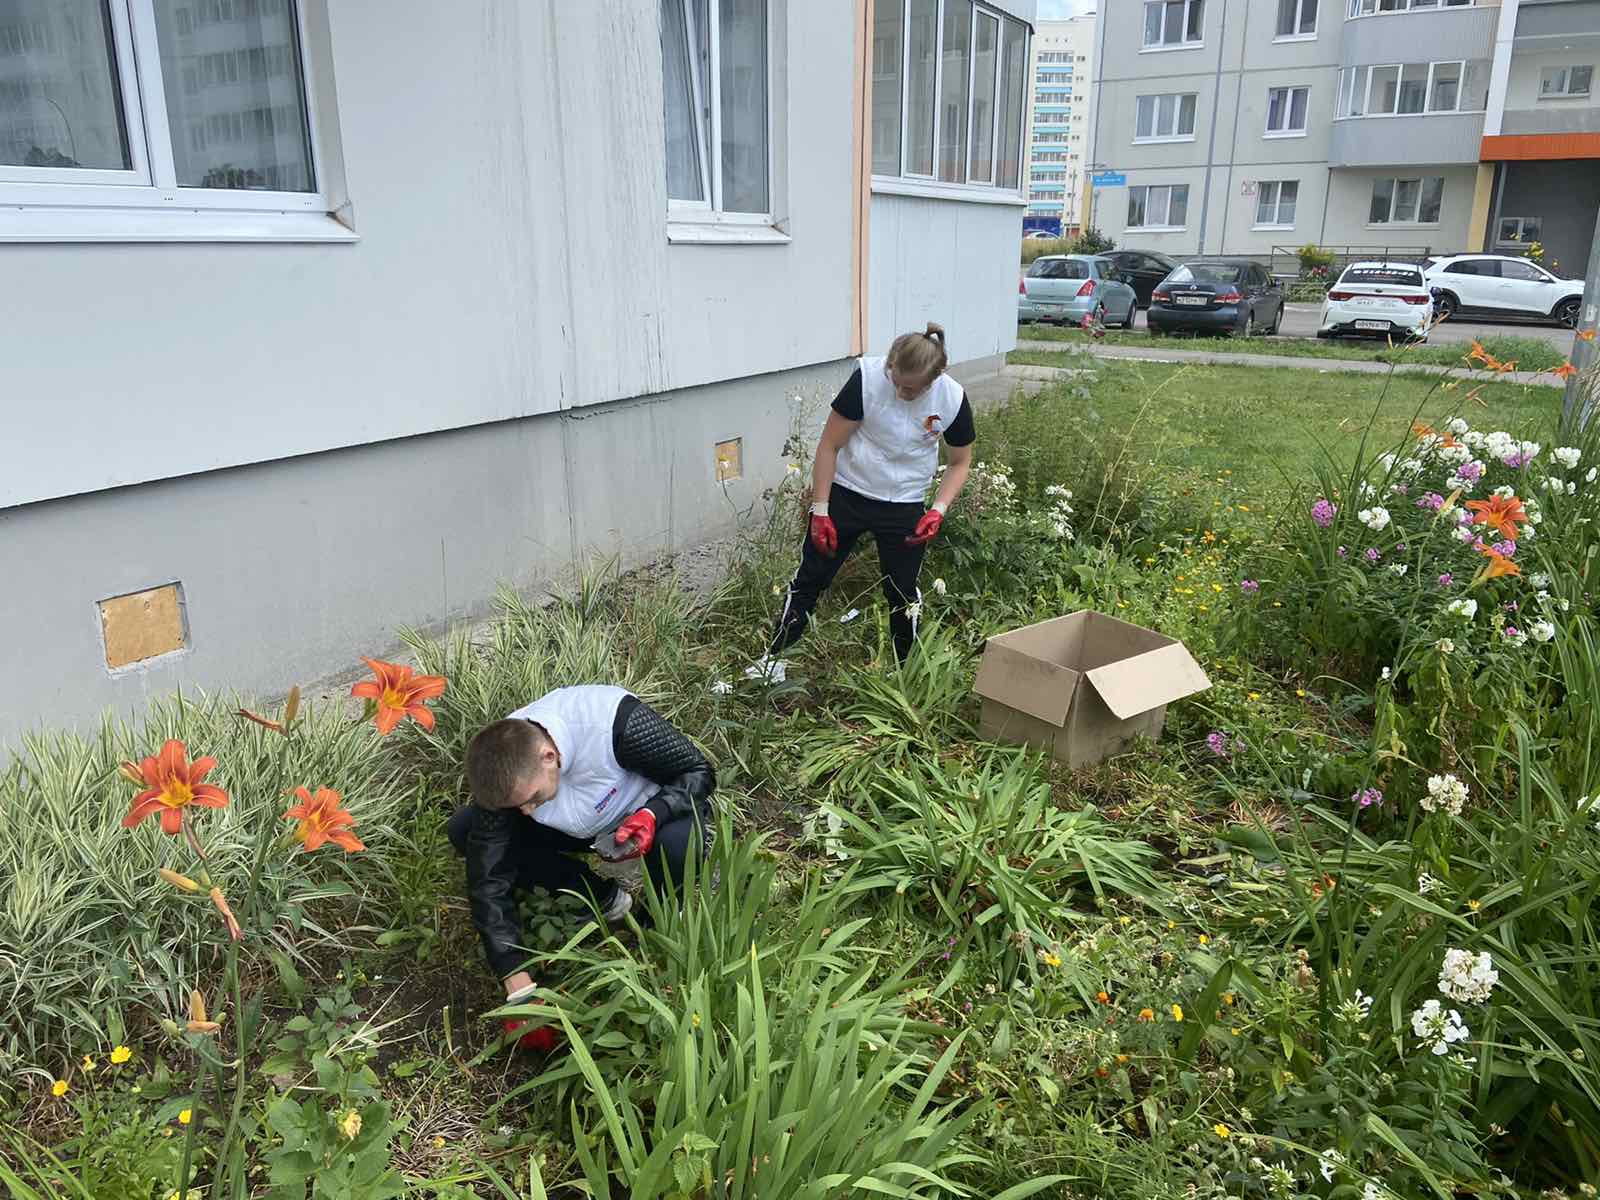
(1149, 680)
(1031, 685)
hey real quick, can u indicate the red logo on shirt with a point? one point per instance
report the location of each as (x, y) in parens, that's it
(931, 423)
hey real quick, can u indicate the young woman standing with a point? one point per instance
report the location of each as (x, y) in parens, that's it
(878, 453)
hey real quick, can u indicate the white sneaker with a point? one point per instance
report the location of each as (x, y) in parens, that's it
(619, 908)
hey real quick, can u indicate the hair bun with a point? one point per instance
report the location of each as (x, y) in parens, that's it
(934, 332)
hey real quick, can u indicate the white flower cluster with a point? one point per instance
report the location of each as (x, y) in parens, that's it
(1514, 636)
(1059, 517)
(1375, 518)
(989, 488)
(1465, 609)
(1542, 631)
(1467, 978)
(1437, 1027)
(1445, 792)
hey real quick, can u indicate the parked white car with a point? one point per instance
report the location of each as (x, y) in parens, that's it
(1500, 285)
(1378, 299)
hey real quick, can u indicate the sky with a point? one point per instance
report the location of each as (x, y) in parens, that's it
(1056, 10)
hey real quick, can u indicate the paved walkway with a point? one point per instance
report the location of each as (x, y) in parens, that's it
(1230, 358)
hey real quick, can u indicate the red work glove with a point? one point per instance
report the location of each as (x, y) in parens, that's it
(824, 535)
(535, 1038)
(926, 528)
(639, 829)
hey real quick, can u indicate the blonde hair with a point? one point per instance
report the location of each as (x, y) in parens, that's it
(500, 757)
(919, 355)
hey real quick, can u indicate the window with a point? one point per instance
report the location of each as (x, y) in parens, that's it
(1408, 89)
(1525, 272)
(1473, 266)
(1366, 8)
(1169, 23)
(1297, 18)
(1162, 207)
(108, 105)
(714, 67)
(1557, 83)
(949, 85)
(1165, 118)
(1513, 230)
(1275, 201)
(1286, 111)
(1406, 201)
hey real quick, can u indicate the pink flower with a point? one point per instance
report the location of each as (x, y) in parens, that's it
(1217, 743)
(1249, 587)
(1340, 552)
(1446, 580)
(1367, 797)
(1373, 555)
(1432, 501)
(1322, 512)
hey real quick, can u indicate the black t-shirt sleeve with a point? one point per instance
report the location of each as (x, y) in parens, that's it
(962, 432)
(848, 402)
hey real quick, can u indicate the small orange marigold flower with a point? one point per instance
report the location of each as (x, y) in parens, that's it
(1147, 1014)
(1103, 997)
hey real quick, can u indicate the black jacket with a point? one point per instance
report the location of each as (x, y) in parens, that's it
(645, 743)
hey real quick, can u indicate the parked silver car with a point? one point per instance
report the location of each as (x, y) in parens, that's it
(1070, 287)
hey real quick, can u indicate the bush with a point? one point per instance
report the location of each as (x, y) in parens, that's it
(1314, 261)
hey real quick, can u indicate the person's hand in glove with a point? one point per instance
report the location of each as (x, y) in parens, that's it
(539, 1039)
(928, 527)
(638, 832)
(824, 534)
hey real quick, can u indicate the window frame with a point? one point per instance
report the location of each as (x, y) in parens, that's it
(1370, 8)
(685, 215)
(1163, 46)
(1347, 77)
(1157, 139)
(1415, 222)
(146, 203)
(1522, 229)
(1277, 204)
(1566, 82)
(1299, 20)
(1169, 188)
(905, 182)
(1288, 111)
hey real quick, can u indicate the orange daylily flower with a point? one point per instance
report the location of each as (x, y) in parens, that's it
(1565, 371)
(1479, 354)
(1422, 430)
(1586, 335)
(399, 694)
(172, 784)
(323, 821)
(1503, 514)
(1498, 565)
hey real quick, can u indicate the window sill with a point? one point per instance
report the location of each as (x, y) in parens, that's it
(1156, 229)
(1291, 133)
(706, 233)
(1566, 96)
(1170, 49)
(1270, 228)
(33, 224)
(1162, 141)
(888, 185)
(1443, 112)
(1293, 37)
(1404, 224)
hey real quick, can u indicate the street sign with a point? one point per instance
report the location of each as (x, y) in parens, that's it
(1108, 179)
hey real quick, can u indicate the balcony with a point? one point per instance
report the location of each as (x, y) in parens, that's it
(1440, 33)
(1439, 139)
(1550, 119)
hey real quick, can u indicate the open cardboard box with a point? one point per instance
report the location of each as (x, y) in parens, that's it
(1082, 686)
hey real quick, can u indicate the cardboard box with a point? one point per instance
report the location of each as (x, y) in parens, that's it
(1082, 686)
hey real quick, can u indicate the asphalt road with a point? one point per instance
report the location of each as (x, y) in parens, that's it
(1300, 320)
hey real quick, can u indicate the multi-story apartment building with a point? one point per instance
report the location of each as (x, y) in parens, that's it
(1241, 125)
(1060, 73)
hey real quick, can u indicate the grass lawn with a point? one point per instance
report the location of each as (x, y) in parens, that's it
(1266, 426)
(1529, 353)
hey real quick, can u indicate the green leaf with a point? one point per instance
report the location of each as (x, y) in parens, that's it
(1206, 1014)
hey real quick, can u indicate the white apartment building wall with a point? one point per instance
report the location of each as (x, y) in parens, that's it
(1256, 138)
(1060, 68)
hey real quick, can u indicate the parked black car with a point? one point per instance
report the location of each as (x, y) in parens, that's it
(1220, 296)
(1143, 268)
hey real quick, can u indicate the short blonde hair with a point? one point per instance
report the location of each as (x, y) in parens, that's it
(500, 757)
(919, 355)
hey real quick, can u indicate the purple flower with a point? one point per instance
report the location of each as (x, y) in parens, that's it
(1340, 552)
(1463, 518)
(1471, 472)
(1217, 744)
(1432, 501)
(1517, 461)
(1322, 512)
(1249, 587)
(1512, 631)
(1511, 606)
(967, 1007)
(1446, 580)
(1401, 489)
(1400, 549)
(1372, 554)
(1506, 548)
(1367, 797)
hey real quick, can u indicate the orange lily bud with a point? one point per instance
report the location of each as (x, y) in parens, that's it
(291, 706)
(260, 720)
(203, 1027)
(197, 1005)
(170, 1026)
(132, 774)
(182, 882)
(221, 902)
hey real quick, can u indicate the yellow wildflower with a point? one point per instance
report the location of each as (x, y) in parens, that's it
(1052, 960)
(59, 1088)
(1205, 940)
(186, 1116)
(1177, 1012)
(88, 1063)
(1253, 696)
(1227, 998)
(120, 1055)
(694, 1019)
(1301, 692)
(350, 1126)
(1221, 1130)
(1474, 905)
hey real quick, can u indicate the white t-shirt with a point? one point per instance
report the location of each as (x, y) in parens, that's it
(596, 792)
(895, 450)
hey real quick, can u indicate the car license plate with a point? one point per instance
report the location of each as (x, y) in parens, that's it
(1197, 301)
(1372, 325)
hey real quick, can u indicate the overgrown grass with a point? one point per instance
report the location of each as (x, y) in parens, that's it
(1528, 353)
